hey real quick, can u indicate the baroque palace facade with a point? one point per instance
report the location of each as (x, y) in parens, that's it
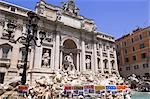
(68, 36)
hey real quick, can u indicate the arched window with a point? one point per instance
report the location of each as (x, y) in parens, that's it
(105, 64)
(112, 64)
(98, 63)
(5, 51)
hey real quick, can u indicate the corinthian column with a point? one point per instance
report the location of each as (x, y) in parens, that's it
(109, 63)
(57, 50)
(101, 60)
(83, 55)
(95, 58)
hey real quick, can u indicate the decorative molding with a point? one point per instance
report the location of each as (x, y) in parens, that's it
(2, 22)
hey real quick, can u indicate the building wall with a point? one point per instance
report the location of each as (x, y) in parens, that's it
(131, 46)
(100, 48)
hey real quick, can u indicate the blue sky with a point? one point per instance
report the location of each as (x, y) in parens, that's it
(114, 17)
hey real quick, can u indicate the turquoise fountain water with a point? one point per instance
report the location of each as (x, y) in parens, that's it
(141, 95)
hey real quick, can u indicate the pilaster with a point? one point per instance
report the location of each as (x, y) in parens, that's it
(38, 57)
(83, 55)
(77, 61)
(31, 58)
(95, 58)
(101, 60)
(57, 50)
(109, 61)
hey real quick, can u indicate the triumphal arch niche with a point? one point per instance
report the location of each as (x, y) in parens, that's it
(69, 55)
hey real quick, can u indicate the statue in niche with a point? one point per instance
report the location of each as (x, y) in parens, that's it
(68, 63)
(46, 59)
(88, 62)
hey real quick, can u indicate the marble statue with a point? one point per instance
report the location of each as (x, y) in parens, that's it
(70, 7)
(46, 59)
(88, 62)
(52, 85)
(68, 63)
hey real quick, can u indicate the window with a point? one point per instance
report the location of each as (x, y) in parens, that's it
(133, 49)
(143, 55)
(104, 54)
(125, 44)
(127, 68)
(111, 55)
(107, 47)
(98, 63)
(5, 51)
(13, 9)
(140, 37)
(136, 67)
(105, 64)
(112, 64)
(132, 40)
(147, 74)
(142, 46)
(145, 65)
(149, 33)
(120, 69)
(126, 59)
(23, 55)
(104, 47)
(125, 51)
(134, 58)
(117, 46)
(2, 78)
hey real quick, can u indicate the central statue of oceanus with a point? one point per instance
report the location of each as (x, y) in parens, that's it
(68, 63)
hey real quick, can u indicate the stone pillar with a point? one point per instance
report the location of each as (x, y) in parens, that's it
(95, 58)
(38, 57)
(31, 58)
(57, 50)
(115, 64)
(101, 60)
(83, 55)
(61, 59)
(77, 61)
(109, 62)
(53, 56)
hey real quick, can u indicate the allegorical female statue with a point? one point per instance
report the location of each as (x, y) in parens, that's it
(46, 59)
(68, 62)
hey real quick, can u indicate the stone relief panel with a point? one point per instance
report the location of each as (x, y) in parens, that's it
(48, 39)
(88, 46)
(9, 25)
(46, 58)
